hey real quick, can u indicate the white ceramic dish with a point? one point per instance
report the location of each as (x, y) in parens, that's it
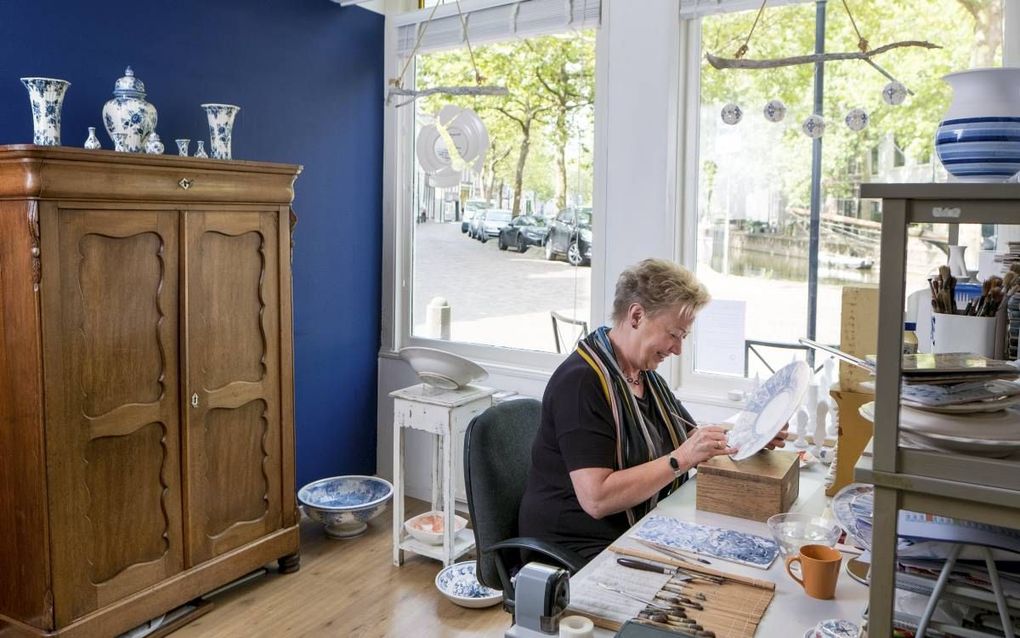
(428, 527)
(992, 405)
(1002, 426)
(459, 584)
(768, 409)
(974, 447)
(442, 369)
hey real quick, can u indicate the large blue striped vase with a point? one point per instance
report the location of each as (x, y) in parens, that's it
(979, 137)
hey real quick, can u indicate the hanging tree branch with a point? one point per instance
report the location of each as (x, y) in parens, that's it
(739, 63)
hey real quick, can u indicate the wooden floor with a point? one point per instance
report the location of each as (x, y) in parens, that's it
(346, 588)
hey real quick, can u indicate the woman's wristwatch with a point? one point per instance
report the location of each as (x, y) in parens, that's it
(675, 464)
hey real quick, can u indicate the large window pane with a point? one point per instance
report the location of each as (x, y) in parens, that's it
(755, 177)
(511, 243)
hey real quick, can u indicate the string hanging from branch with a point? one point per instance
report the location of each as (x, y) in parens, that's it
(397, 83)
(864, 53)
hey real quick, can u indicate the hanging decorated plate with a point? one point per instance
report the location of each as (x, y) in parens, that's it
(768, 409)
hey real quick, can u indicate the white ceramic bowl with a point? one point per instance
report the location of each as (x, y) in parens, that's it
(428, 527)
(442, 369)
(344, 504)
(458, 583)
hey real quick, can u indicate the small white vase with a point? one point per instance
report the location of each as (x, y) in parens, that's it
(957, 264)
(47, 98)
(979, 137)
(221, 128)
(92, 142)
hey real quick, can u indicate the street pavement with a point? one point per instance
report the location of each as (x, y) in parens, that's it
(500, 298)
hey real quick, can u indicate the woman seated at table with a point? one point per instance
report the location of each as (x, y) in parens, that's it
(613, 439)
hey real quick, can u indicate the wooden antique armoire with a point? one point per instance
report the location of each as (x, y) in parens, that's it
(146, 384)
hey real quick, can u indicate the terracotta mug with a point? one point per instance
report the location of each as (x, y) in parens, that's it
(819, 568)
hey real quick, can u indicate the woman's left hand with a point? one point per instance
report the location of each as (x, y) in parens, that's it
(779, 440)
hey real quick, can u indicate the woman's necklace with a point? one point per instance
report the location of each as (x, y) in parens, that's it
(633, 380)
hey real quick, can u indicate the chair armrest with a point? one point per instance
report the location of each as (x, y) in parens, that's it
(571, 560)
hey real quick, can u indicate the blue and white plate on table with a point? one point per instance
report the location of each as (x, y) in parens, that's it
(726, 544)
(769, 409)
(459, 583)
(854, 506)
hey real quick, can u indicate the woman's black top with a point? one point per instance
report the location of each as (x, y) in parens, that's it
(577, 432)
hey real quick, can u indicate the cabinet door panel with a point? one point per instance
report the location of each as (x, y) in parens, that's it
(232, 437)
(112, 401)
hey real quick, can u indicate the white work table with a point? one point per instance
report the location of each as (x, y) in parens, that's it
(792, 612)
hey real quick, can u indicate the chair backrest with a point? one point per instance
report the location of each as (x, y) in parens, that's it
(497, 459)
(566, 331)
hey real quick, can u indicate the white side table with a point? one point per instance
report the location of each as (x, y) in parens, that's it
(446, 414)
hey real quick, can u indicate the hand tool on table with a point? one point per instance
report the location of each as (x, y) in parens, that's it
(673, 552)
(650, 603)
(669, 571)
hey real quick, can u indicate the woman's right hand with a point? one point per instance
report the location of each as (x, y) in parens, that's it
(702, 444)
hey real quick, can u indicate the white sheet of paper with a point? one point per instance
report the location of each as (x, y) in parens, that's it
(719, 337)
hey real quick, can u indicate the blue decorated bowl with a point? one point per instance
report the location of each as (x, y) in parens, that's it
(458, 583)
(344, 504)
(979, 148)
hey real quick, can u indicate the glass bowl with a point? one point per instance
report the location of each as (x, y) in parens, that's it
(794, 530)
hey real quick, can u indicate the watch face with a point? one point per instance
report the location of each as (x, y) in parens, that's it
(673, 463)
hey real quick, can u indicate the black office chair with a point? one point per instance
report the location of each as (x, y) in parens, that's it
(497, 457)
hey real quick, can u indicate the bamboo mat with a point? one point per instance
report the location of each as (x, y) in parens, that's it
(732, 610)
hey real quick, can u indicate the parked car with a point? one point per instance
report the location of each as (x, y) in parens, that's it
(471, 208)
(570, 236)
(490, 222)
(522, 232)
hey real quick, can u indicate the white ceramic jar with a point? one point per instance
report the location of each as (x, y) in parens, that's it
(128, 113)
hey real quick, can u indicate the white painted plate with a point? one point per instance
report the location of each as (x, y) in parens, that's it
(1000, 426)
(768, 409)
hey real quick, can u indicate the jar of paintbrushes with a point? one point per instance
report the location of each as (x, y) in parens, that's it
(975, 324)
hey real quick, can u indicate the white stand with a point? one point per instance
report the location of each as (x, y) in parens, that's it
(446, 414)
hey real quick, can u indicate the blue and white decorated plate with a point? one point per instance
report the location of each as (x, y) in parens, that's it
(768, 409)
(854, 506)
(726, 544)
(458, 583)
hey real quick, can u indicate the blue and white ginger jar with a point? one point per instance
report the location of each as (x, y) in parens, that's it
(129, 113)
(979, 137)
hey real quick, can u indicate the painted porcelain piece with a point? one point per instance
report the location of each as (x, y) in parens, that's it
(428, 527)
(182, 146)
(200, 149)
(92, 142)
(129, 113)
(834, 628)
(853, 507)
(442, 369)
(47, 98)
(459, 583)
(979, 137)
(344, 504)
(727, 544)
(768, 409)
(221, 127)
(153, 145)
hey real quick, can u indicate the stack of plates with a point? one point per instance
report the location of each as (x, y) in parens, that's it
(993, 434)
(962, 398)
(1013, 336)
(854, 506)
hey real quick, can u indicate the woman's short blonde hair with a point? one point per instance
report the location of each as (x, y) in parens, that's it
(658, 284)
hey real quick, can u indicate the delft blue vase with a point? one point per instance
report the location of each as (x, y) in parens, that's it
(129, 113)
(979, 137)
(47, 97)
(221, 126)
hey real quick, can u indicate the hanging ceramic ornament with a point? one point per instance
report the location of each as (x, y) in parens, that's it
(894, 93)
(813, 126)
(447, 146)
(731, 114)
(857, 119)
(775, 111)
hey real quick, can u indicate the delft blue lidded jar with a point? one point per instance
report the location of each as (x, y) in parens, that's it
(128, 113)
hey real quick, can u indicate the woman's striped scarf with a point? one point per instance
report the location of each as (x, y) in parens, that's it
(633, 439)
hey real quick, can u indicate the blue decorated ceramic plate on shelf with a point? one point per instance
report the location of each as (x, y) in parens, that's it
(854, 506)
(458, 583)
(768, 409)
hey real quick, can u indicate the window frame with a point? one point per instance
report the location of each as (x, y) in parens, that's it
(398, 230)
(706, 387)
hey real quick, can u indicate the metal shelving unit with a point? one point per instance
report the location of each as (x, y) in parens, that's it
(956, 485)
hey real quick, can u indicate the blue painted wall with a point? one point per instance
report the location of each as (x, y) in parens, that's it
(308, 76)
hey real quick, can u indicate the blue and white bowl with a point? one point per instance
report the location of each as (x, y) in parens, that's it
(459, 583)
(344, 504)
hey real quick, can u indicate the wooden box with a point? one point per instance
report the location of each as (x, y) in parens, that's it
(765, 484)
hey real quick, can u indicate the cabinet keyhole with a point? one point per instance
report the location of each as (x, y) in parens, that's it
(194, 400)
